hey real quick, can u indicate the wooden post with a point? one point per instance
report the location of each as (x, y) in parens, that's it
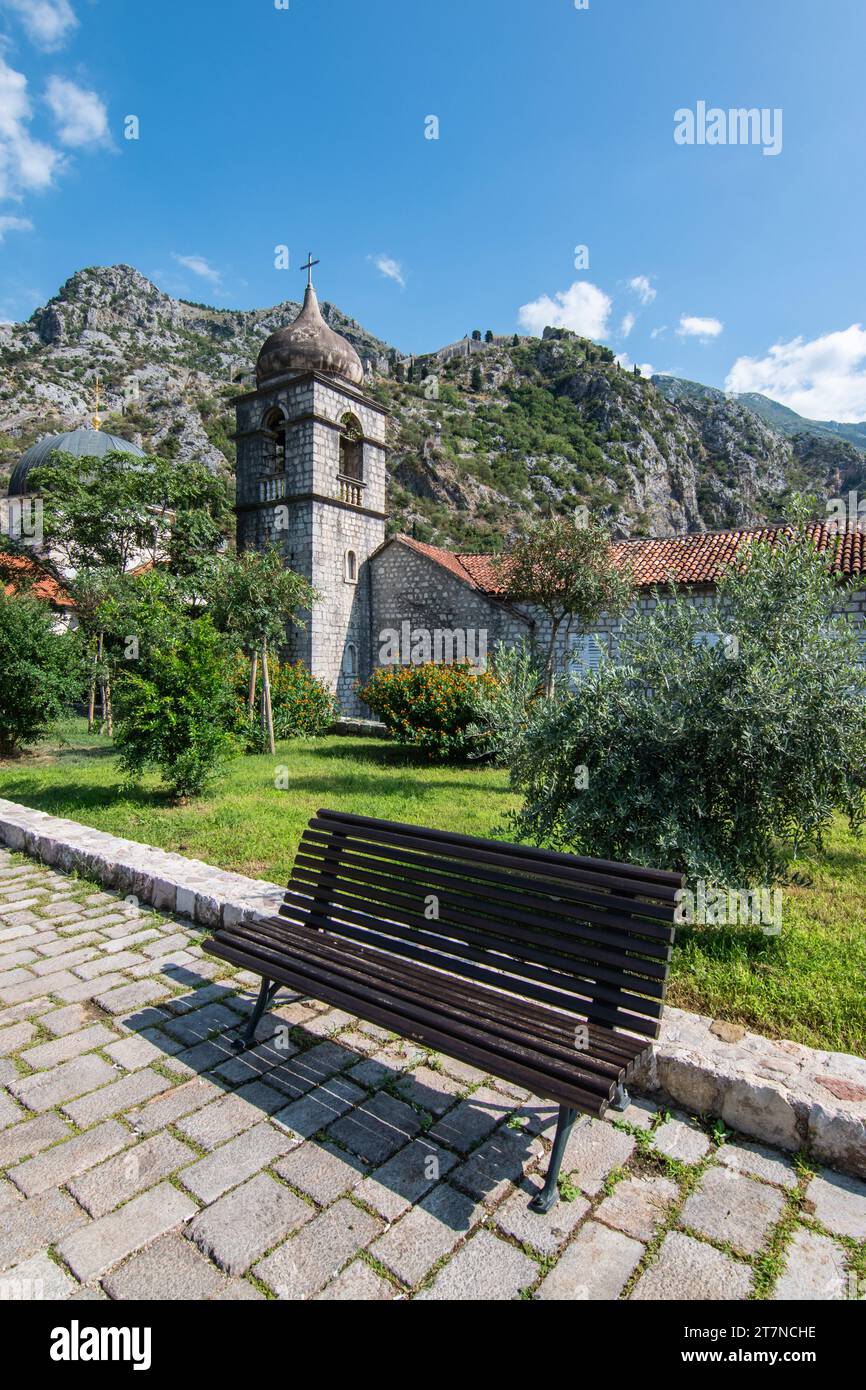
(99, 650)
(91, 696)
(269, 711)
(254, 671)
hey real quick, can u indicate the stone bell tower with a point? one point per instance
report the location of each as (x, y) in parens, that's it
(311, 480)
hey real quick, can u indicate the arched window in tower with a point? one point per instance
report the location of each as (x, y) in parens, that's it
(274, 432)
(350, 572)
(350, 660)
(351, 448)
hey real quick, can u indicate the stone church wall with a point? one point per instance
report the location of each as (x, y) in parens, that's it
(409, 587)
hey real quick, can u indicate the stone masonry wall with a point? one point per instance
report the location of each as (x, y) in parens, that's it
(409, 587)
(315, 519)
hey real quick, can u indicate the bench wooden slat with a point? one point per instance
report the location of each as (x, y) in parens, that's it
(412, 935)
(474, 850)
(457, 999)
(542, 968)
(532, 853)
(424, 1026)
(339, 848)
(627, 1010)
(519, 927)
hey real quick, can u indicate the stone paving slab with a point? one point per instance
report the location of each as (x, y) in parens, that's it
(689, 1269)
(142, 1157)
(485, 1269)
(306, 1262)
(733, 1210)
(168, 1270)
(814, 1270)
(596, 1265)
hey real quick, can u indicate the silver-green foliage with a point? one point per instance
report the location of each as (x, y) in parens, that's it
(721, 757)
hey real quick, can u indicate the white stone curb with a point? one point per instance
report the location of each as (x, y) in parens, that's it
(779, 1092)
(169, 882)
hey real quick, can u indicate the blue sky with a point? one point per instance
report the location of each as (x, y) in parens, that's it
(305, 126)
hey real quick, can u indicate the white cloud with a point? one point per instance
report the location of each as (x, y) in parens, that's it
(643, 288)
(627, 325)
(46, 22)
(14, 224)
(391, 269)
(583, 308)
(646, 368)
(822, 378)
(199, 266)
(692, 327)
(659, 332)
(26, 165)
(80, 115)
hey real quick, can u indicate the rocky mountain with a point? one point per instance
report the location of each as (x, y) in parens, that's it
(481, 431)
(168, 368)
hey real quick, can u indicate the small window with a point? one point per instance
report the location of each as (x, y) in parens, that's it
(351, 448)
(275, 442)
(351, 570)
(350, 660)
(588, 650)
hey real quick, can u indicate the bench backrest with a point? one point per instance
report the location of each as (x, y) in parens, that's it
(590, 937)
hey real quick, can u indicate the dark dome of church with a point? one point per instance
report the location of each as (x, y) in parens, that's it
(308, 345)
(82, 443)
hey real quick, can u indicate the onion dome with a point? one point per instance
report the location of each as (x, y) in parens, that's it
(308, 345)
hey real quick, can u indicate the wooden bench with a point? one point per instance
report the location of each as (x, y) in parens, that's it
(540, 968)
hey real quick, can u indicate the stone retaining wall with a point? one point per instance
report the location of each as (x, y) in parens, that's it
(776, 1091)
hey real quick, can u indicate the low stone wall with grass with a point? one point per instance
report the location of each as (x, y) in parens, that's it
(782, 1093)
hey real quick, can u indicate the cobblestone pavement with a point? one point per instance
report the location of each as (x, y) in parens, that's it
(141, 1157)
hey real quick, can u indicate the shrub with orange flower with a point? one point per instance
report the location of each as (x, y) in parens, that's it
(431, 706)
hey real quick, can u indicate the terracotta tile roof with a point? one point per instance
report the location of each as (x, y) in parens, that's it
(702, 558)
(448, 560)
(14, 568)
(694, 559)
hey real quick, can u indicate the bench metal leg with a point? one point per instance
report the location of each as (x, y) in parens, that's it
(266, 994)
(622, 1099)
(549, 1194)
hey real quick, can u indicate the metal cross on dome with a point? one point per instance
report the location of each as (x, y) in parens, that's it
(309, 268)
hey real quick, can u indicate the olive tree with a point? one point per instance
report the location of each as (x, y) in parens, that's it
(564, 566)
(717, 742)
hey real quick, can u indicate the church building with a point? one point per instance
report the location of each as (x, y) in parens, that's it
(311, 478)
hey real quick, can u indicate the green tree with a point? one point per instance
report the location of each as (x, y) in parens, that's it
(566, 569)
(476, 335)
(255, 598)
(40, 672)
(110, 513)
(476, 380)
(176, 708)
(488, 336)
(721, 741)
(121, 616)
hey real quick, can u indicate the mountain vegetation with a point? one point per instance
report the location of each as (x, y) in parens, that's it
(484, 431)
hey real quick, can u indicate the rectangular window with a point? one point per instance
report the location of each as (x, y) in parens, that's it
(587, 650)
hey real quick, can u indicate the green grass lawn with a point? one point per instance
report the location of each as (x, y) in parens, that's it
(808, 984)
